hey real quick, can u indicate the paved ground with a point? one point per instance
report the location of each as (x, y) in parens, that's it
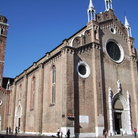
(31, 136)
(23, 136)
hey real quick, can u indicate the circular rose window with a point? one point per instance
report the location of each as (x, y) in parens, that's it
(115, 51)
(83, 69)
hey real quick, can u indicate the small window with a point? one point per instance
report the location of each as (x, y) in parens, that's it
(53, 91)
(32, 94)
(1, 30)
(113, 30)
(95, 34)
(83, 69)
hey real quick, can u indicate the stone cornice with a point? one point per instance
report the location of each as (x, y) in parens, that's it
(1, 23)
(4, 90)
(48, 58)
(72, 50)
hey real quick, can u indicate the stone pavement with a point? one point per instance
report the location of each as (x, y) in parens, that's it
(35, 136)
(23, 136)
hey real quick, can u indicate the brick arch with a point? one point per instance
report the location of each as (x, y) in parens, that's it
(88, 36)
(77, 41)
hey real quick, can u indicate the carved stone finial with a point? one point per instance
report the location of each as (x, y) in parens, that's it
(91, 12)
(108, 4)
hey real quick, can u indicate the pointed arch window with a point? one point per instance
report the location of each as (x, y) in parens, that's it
(1, 30)
(53, 92)
(9, 104)
(20, 92)
(95, 35)
(32, 94)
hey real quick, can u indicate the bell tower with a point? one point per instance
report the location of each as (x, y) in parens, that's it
(3, 37)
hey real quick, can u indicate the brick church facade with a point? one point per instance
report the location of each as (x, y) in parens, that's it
(86, 84)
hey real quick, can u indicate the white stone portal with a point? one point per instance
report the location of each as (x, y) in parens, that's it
(18, 115)
(65, 129)
(123, 115)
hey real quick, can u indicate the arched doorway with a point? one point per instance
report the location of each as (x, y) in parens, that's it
(18, 116)
(119, 113)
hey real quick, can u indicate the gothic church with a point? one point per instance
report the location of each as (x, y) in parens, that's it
(86, 84)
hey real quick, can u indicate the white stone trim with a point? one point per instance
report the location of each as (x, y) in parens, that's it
(126, 113)
(33, 133)
(111, 132)
(87, 69)
(129, 114)
(4, 24)
(65, 129)
(71, 43)
(99, 131)
(18, 114)
(50, 134)
(85, 135)
(112, 30)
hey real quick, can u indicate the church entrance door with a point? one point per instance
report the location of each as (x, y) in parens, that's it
(118, 122)
(119, 112)
(19, 124)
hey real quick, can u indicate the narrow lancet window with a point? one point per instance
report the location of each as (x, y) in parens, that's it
(53, 84)
(1, 30)
(32, 95)
(20, 92)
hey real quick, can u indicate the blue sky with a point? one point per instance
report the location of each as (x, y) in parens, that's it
(38, 26)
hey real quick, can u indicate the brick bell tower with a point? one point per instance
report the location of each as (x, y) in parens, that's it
(3, 37)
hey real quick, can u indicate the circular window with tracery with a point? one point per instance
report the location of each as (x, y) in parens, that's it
(115, 51)
(83, 69)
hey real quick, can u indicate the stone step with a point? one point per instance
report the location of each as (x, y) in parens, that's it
(121, 137)
(117, 136)
(31, 136)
